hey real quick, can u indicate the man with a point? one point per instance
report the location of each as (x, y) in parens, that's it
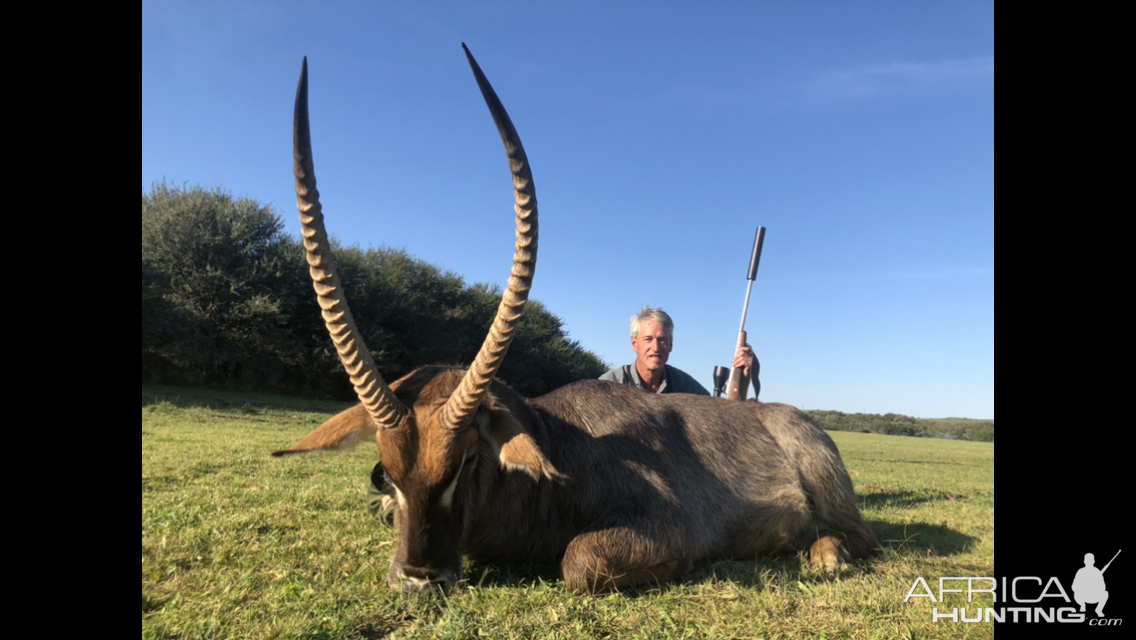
(652, 339)
(1088, 585)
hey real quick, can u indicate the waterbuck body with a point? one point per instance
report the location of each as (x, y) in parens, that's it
(624, 487)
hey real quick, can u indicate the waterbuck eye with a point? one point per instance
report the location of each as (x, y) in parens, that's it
(379, 476)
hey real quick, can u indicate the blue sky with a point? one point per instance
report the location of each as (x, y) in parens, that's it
(661, 134)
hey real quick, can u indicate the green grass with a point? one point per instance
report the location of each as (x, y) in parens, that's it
(236, 544)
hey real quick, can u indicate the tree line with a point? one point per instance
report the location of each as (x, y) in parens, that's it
(900, 425)
(227, 300)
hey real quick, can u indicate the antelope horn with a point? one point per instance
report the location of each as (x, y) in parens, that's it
(463, 402)
(382, 405)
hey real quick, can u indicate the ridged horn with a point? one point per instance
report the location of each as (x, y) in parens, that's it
(464, 401)
(382, 405)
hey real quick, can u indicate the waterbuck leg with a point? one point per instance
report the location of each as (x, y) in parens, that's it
(829, 551)
(612, 558)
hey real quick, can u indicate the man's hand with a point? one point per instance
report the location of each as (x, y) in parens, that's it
(744, 359)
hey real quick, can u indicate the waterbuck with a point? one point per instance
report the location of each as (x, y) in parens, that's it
(622, 486)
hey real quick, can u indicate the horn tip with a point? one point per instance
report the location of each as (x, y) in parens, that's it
(469, 57)
(302, 86)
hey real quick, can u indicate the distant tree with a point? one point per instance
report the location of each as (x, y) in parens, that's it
(900, 425)
(984, 433)
(213, 269)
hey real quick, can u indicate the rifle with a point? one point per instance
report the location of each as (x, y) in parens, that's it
(738, 380)
(1110, 561)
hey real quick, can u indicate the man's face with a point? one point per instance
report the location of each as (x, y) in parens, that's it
(652, 346)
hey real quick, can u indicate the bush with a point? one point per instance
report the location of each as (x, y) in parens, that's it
(226, 299)
(983, 434)
(214, 268)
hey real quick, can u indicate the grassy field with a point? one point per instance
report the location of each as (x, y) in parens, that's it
(236, 544)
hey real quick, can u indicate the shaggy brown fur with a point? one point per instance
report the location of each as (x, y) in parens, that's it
(623, 487)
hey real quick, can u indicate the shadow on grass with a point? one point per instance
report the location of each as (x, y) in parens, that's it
(880, 496)
(935, 538)
(375, 626)
(524, 575)
(151, 604)
(916, 538)
(194, 397)
(753, 574)
(492, 574)
(912, 539)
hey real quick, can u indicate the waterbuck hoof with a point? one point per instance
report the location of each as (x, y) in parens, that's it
(829, 553)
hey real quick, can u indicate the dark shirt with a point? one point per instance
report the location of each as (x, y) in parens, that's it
(674, 380)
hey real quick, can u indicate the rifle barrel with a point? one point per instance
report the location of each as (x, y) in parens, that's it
(745, 307)
(1110, 561)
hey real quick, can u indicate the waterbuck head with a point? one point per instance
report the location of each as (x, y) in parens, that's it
(432, 423)
(441, 473)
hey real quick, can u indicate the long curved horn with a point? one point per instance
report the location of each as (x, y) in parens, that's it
(464, 401)
(382, 405)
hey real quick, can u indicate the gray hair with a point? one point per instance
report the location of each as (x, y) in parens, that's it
(653, 314)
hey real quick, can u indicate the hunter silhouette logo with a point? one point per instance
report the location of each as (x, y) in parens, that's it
(1088, 585)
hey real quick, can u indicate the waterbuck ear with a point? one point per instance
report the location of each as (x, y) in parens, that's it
(343, 431)
(515, 448)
